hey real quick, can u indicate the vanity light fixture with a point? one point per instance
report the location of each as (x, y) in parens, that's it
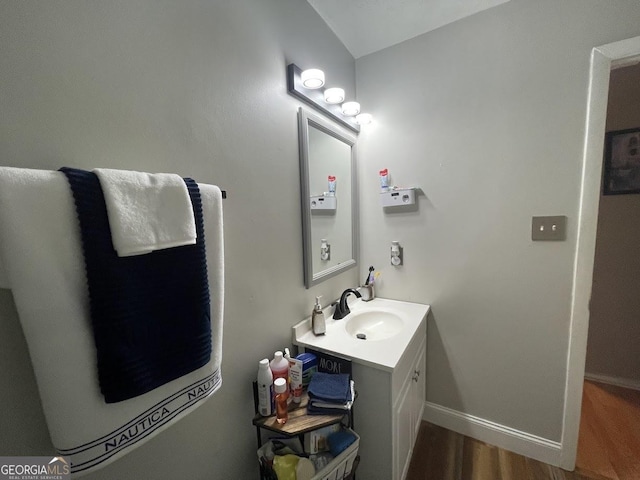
(334, 95)
(316, 98)
(312, 78)
(350, 108)
(363, 119)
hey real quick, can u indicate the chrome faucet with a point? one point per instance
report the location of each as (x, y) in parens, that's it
(342, 308)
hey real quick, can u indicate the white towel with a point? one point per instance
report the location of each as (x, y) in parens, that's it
(147, 211)
(40, 241)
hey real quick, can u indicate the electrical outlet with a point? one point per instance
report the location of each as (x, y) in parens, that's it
(549, 228)
(396, 254)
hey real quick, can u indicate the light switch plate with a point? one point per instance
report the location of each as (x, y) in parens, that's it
(549, 228)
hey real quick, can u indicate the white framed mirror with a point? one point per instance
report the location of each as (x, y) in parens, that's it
(329, 197)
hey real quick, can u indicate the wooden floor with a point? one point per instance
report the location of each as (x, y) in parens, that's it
(608, 447)
(609, 443)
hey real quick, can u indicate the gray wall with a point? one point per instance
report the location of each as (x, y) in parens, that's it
(614, 329)
(487, 116)
(192, 87)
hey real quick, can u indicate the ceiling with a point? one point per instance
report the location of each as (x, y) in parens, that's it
(366, 26)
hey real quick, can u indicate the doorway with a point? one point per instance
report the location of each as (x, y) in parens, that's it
(608, 444)
(602, 59)
(614, 330)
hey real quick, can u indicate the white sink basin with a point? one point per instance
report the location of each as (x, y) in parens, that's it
(392, 321)
(373, 325)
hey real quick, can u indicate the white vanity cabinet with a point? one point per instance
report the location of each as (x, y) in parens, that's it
(389, 372)
(407, 413)
(390, 405)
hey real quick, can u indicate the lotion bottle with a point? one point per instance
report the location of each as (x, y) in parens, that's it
(318, 323)
(265, 388)
(282, 407)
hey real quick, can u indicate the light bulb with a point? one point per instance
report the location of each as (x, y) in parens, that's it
(363, 119)
(350, 108)
(334, 95)
(312, 78)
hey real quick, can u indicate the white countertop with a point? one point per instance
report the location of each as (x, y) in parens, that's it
(382, 354)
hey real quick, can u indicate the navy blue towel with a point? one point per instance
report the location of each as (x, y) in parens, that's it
(150, 313)
(339, 441)
(330, 387)
(314, 410)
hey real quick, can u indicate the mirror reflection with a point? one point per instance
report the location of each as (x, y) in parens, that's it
(327, 166)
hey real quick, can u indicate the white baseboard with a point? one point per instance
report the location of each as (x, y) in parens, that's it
(617, 381)
(538, 448)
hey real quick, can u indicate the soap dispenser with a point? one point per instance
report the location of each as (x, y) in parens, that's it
(317, 319)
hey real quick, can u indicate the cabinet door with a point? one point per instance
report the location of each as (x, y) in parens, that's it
(403, 435)
(407, 413)
(418, 392)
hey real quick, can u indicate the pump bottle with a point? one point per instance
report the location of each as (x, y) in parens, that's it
(318, 323)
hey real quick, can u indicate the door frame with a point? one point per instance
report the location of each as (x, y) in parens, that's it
(603, 59)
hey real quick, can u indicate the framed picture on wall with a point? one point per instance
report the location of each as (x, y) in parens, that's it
(622, 162)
